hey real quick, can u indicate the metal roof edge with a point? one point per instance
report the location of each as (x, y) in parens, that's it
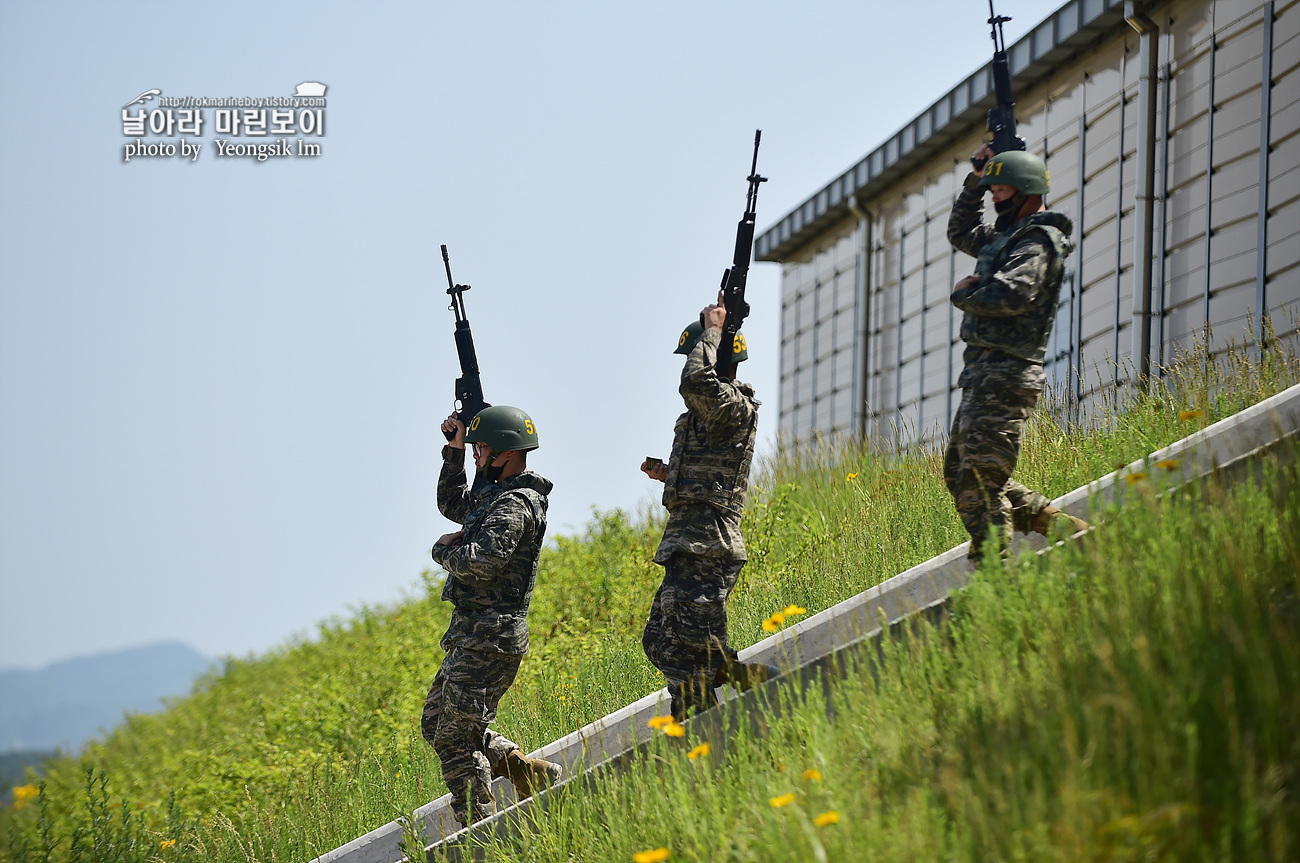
(1061, 36)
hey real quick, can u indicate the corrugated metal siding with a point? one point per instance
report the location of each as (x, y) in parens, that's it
(1283, 239)
(869, 341)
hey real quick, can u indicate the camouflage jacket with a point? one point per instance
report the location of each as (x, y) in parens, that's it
(490, 575)
(708, 470)
(1008, 314)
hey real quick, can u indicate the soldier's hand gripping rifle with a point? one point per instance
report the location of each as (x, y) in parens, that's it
(469, 389)
(733, 279)
(1001, 135)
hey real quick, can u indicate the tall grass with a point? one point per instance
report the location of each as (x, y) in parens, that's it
(1129, 697)
(284, 756)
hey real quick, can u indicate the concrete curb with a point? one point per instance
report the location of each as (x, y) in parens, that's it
(810, 644)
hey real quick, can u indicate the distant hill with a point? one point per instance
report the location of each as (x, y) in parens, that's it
(65, 704)
(13, 767)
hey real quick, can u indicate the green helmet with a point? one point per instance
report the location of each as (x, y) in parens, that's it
(1024, 172)
(691, 335)
(503, 428)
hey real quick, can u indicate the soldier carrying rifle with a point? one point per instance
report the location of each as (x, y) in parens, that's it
(491, 566)
(706, 480)
(1008, 308)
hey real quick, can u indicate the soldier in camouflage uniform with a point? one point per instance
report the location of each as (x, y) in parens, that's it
(1008, 308)
(702, 551)
(491, 567)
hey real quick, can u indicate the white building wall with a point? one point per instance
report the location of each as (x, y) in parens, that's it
(869, 340)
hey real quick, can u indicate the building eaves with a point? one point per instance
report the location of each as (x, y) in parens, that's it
(1063, 35)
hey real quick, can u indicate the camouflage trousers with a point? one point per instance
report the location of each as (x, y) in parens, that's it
(686, 635)
(982, 452)
(461, 703)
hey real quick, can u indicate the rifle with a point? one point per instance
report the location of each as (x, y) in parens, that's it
(733, 278)
(1001, 135)
(469, 389)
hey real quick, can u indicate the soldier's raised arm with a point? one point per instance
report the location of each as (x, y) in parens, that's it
(966, 229)
(453, 490)
(719, 404)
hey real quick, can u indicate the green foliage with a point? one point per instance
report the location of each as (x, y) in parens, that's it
(288, 755)
(1126, 697)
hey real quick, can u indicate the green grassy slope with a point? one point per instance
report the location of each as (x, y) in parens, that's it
(1129, 697)
(288, 755)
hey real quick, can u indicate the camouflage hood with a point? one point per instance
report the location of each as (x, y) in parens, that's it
(529, 480)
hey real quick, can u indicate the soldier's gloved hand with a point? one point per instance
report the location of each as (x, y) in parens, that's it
(451, 538)
(981, 156)
(453, 424)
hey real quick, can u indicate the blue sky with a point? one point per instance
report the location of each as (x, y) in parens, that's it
(221, 381)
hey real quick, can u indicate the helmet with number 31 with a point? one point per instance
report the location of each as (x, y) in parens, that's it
(1024, 172)
(503, 428)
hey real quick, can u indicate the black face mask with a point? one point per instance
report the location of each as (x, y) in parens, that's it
(1007, 211)
(493, 473)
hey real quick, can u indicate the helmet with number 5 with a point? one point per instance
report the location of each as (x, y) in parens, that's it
(691, 336)
(503, 428)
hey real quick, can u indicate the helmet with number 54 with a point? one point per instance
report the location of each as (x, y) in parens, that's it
(504, 429)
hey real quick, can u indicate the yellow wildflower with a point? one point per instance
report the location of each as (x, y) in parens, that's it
(700, 751)
(1135, 477)
(769, 626)
(167, 843)
(24, 793)
(561, 697)
(831, 817)
(672, 729)
(811, 776)
(851, 477)
(778, 617)
(1190, 415)
(782, 801)
(660, 721)
(1167, 464)
(654, 855)
(791, 610)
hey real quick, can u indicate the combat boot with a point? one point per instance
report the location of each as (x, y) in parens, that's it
(528, 774)
(744, 675)
(1055, 524)
(690, 696)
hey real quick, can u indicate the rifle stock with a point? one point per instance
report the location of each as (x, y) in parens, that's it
(468, 388)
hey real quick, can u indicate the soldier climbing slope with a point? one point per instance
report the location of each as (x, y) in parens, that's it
(702, 551)
(491, 568)
(1009, 305)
